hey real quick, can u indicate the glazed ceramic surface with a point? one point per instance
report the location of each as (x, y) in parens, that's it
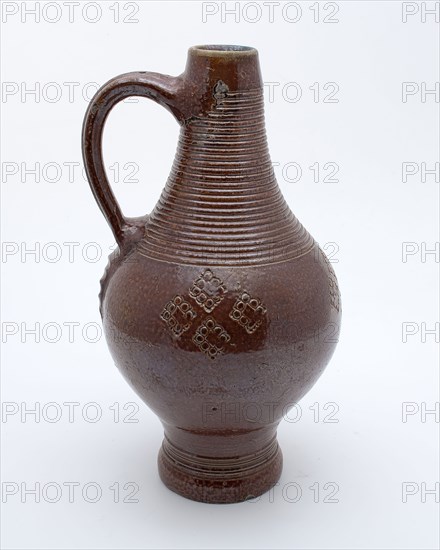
(219, 308)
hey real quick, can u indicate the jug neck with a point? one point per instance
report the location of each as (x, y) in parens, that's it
(238, 66)
(222, 204)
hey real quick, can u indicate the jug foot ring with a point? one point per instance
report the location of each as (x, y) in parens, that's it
(219, 480)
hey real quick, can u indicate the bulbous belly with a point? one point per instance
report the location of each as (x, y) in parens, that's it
(207, 346)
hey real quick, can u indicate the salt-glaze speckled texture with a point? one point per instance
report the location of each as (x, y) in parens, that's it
(219, 308)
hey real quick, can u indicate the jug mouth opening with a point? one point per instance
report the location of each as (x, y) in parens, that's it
(222, 49)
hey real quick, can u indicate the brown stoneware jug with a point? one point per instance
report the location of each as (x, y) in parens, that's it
(219, 308)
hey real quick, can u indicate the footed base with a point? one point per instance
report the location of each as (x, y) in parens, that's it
(220, 480)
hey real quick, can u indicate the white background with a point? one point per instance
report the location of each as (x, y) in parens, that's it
(369, 449)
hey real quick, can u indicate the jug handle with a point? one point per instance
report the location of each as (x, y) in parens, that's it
(163, 89)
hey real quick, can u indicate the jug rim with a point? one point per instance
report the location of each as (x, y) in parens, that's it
(222, 50)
